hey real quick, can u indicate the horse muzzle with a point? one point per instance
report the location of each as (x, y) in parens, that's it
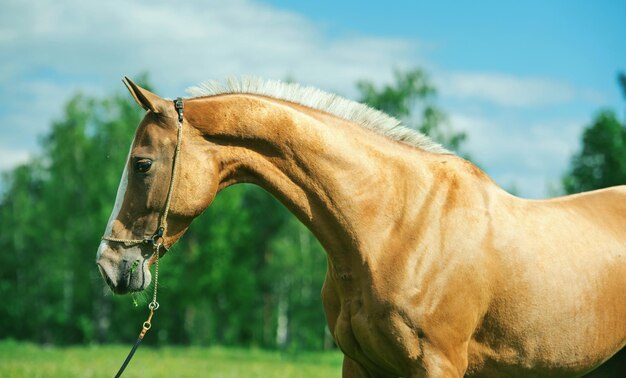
(124, 270)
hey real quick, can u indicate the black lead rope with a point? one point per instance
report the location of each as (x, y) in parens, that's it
(146, 326)
(128, 358)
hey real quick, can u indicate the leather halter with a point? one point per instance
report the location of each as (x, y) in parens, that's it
(158, 237)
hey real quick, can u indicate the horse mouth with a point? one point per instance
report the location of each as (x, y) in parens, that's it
(133, 279)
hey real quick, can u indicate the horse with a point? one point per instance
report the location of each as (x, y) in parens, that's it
(433, 270)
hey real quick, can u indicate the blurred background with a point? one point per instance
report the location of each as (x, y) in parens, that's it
(532, 92)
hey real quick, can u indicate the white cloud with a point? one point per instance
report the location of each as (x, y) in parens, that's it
(12, 157)
(530, 156)
(51, 49)
(514, 91)
(190, 42)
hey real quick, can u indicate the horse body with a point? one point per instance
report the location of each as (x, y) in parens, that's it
(560, 298)
(481, 282)
(432, 269)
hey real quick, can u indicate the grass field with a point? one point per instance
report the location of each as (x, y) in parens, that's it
(30, 360)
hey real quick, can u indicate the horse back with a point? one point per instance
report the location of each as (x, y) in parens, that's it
(561, 267)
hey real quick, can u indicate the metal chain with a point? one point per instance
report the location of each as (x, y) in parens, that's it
(154, 304)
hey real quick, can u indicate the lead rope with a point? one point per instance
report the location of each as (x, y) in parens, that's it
(157, 239)
(153, 306)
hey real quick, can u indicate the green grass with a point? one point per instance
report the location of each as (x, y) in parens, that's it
(29, 360)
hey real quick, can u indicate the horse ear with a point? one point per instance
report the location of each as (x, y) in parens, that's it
(144, 97)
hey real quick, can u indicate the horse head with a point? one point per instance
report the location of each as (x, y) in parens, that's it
(142, 215)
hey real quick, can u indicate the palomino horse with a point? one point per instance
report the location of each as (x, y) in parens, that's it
(433, 270)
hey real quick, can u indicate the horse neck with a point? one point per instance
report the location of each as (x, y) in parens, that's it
(332, 174)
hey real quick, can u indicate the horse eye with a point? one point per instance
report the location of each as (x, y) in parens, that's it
(143, 165)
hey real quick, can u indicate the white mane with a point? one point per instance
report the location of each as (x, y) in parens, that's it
(353, 111)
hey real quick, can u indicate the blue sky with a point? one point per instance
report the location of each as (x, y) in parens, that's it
(569, 40)
(521, 78)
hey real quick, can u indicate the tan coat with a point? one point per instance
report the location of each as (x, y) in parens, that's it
(433, 270)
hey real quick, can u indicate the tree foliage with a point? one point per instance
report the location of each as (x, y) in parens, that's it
(51, 219)
(601, 162)
(411, 99)
(246, 272)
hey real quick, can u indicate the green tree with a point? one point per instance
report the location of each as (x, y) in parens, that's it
(621, 78)
(412, 93)
(246, 273)
(602, 160)
(52, 216)
(19, 227)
